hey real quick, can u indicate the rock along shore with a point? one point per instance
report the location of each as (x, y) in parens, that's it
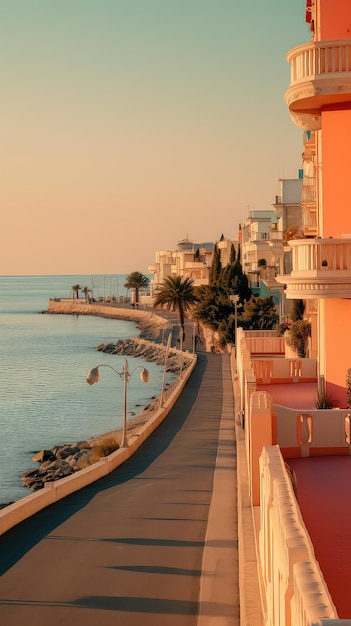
(149, 351)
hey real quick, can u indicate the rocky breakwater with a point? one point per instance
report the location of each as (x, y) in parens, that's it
(59, 462)
(150, 352)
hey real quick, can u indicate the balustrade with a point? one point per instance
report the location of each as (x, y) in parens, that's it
(318, 58)
(320, 74)
(321, 255)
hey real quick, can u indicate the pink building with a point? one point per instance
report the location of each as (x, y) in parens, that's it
(298, 457)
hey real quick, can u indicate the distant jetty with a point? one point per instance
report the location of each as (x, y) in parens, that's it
(149, 323)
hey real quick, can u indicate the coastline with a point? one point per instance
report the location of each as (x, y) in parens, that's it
(60, 461)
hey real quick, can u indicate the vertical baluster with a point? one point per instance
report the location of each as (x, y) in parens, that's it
(307, 63)
(320, 60)
(335, 250)
(341, 67)
(316, 253)
(333, 58)
(348, 261)
(317, 256)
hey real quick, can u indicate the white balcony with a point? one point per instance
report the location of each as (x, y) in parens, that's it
(276, 235)
(321, 268)
(320, 75)
(195, 265)
(268, 277)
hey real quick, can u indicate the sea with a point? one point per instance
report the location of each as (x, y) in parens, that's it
(44, 360)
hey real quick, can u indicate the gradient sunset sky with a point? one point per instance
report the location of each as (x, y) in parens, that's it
(127, 125)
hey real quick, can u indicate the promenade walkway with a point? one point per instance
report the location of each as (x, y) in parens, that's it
(154, 543)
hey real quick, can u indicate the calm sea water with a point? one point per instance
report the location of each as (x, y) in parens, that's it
(44, 359)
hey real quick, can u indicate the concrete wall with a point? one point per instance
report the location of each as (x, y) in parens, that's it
(80, 307)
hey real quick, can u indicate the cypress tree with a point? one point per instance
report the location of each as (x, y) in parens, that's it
(216, 267)
(238, 258)
(232, 254)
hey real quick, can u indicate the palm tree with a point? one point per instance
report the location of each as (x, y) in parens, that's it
(86, 292)
(76, 289)
(176, 294)
(137, 281)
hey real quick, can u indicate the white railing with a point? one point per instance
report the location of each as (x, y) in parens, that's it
(319, 58)
(268, 371)
(269, 272)
(276, 235)
(266, 345)
(309, 194)
(311, 255)
(308, 430)
(295, 591)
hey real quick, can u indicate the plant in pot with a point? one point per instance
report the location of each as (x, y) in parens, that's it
(324, 399)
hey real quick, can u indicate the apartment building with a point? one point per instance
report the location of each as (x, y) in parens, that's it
(262, 235)
(189, 260)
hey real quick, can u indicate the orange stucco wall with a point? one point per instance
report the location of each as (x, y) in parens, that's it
(334, 17)
(338, 348)
(336, 149)
(333, 22)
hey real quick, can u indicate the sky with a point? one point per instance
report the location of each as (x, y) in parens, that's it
(128, 125)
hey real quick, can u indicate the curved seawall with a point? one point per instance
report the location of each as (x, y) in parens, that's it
(81, 307)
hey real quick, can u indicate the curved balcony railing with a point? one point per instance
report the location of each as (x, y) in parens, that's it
(321, 268)
(320, 75)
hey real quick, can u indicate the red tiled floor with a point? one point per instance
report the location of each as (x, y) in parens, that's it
(324, 497)
(294, 395)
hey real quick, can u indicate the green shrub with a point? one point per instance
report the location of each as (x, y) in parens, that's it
(282, 328)
(105, 447)
(297, 337)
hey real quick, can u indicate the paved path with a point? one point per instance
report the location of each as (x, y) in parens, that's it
(154, 543)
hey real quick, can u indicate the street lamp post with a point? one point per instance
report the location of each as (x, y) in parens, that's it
(234, 300)
(169, 341)
(93, 377)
